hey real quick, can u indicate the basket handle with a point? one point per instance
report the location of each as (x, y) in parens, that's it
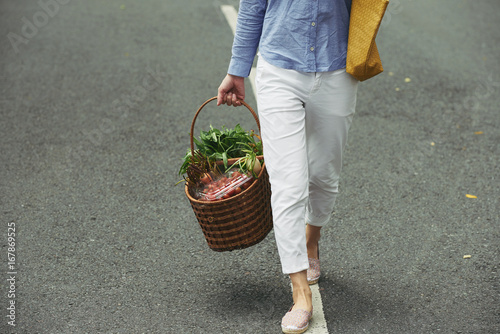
(204, 104)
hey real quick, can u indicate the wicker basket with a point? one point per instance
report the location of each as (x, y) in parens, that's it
(240, 221)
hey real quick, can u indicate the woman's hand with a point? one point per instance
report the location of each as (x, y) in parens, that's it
(231, 91)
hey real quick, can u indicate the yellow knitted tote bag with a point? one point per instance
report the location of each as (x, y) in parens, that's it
(363, 60)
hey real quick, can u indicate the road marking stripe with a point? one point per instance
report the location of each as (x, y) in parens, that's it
(251, 78)
(318, 322)
(231, 15)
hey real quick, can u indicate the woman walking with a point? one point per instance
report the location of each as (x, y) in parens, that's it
(306, 102)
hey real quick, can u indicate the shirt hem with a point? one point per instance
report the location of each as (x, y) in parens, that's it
(339, 63)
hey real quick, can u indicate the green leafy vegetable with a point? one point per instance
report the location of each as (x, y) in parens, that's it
(225, 144)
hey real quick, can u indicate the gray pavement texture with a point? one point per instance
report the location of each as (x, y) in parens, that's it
(96, 100)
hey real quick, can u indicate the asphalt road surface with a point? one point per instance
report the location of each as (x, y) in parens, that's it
(96, 101)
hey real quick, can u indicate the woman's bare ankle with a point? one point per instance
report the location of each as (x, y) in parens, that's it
(302, 295)
(313, 235)
(302, 299)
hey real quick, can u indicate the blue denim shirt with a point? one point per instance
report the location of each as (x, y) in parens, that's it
(303, 35)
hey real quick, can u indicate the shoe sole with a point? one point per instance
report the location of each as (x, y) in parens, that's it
(294, 331)
(313, 281)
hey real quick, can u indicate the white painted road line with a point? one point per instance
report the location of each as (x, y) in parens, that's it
(231, 15)
(318, 322)
(251, 78)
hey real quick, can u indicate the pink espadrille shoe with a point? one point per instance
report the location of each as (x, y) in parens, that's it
(296, 321)
(313, 273)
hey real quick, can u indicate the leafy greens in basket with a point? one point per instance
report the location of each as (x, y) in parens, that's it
(225, 144)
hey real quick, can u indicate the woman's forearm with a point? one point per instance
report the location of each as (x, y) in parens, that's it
(246, 40)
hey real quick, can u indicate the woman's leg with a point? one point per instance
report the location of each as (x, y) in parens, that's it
(304, 131)
(282, 118)
(313, 235)
(302, 296)
(329, 113)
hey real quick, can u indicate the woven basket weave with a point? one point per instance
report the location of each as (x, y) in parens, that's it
(240, 221)
(363, 60)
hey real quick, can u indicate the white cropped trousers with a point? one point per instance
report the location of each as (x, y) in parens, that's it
(304, 118)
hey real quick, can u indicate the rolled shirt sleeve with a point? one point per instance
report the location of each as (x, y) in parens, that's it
(247, 36)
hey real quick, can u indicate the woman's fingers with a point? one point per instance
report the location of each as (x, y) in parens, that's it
(229, 90)
(235, 101)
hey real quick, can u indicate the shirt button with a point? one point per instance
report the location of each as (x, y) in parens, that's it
(312, 48)
(313, 24)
